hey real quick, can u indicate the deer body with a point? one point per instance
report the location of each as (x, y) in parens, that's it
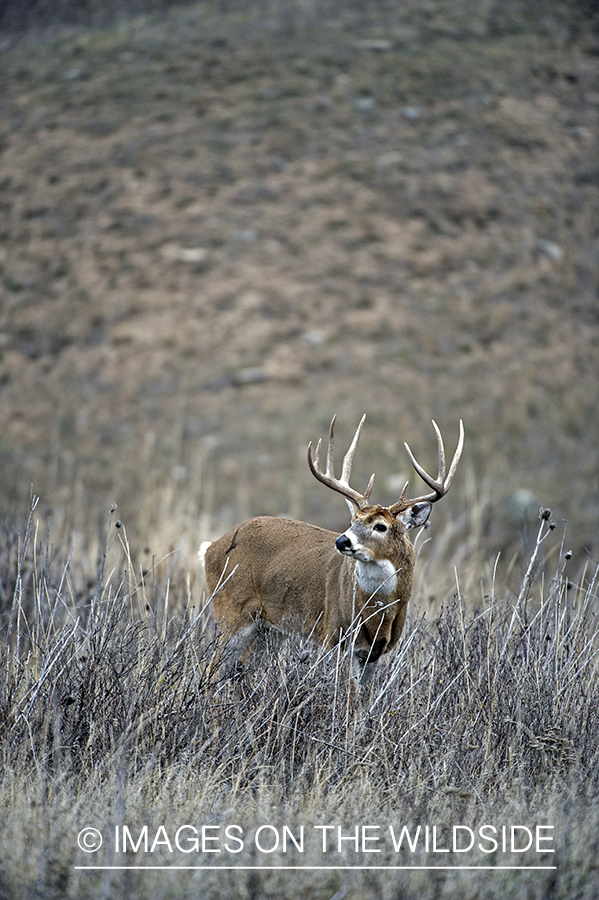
(288, 575)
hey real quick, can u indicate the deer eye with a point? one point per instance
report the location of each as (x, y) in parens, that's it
(379, 527)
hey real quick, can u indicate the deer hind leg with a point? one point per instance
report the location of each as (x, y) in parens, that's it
(235, 646)
(263, 638)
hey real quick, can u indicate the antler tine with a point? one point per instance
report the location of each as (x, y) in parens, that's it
(402, 496)
(348, 459)
(328, 477)
(456, 457)
(330, 448)
(368, 490)
(316, 452)
(441, 449)
(435, 483)
(441, 483)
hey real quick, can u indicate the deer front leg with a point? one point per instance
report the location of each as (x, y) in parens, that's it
(363, 668)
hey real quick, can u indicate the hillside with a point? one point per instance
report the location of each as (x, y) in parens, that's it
(218, 230)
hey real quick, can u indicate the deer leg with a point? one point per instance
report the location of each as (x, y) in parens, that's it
(368, 670)
(363, 668)
(255, 633)
(236, 645)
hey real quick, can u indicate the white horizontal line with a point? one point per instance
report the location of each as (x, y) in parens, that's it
(310, 868)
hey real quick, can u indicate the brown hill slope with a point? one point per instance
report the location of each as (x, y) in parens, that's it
(215, 234)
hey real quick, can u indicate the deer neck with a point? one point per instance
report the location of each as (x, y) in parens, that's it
(377, 576)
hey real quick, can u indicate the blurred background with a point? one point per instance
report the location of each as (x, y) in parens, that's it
(221, 223)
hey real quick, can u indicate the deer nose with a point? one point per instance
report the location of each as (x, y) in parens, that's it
(343, 543)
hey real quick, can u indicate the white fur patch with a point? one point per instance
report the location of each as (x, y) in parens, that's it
(377, 575)
(202, 553)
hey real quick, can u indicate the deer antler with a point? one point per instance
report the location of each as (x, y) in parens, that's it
(340, 484)
(441, 483)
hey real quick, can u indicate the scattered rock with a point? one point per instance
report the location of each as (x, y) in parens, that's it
(365, 104)
(245, 236)
(550, 249)
(376, 44)
(254, 375)
(386, 160)
(315, 338)
(194, 255)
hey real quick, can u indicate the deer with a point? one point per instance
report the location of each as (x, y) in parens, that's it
(271, 573)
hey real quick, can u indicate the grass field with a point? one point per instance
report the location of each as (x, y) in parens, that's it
(485, 718)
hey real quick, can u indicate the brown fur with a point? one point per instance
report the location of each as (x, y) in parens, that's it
(290, 575)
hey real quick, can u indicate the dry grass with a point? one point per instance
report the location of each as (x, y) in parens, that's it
(486, 714)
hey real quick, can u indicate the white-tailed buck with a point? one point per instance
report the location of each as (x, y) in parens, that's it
(355, 587)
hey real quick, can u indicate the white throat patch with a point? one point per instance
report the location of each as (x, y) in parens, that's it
(377, 575)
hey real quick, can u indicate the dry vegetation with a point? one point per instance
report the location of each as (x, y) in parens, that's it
(217, 228)
(487, 714)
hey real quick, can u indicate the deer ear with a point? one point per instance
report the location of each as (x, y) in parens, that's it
(416, 515)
